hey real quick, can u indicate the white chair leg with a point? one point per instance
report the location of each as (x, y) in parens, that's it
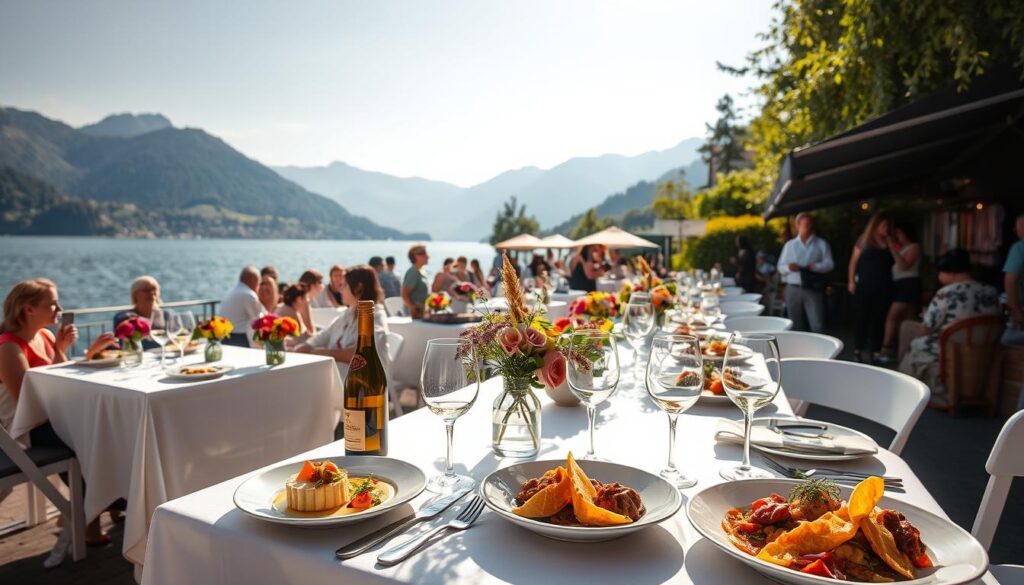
(77, 520)
(35, 506)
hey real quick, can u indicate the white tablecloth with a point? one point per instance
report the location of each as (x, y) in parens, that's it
(569, 296)
(406, 367)
(145, 437)
(202, 537)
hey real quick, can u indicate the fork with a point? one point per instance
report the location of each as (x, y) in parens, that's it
(797, 473)
(464, 520)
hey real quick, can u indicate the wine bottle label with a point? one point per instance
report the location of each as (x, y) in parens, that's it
(357, 363)
(355, 429)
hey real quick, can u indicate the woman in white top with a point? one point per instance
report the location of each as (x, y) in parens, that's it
(338, 340)
(906, 285)
(295, 304)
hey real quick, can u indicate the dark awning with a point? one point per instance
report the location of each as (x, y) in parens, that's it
(910, 150)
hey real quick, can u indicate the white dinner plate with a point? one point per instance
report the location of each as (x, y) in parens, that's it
(661, 498)
(709, 398)
(256, 495)
(957, 556)
(108, 362)
(178, 373)
(833, 429)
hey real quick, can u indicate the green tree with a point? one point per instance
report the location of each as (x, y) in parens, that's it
(724, 149)
(512, 221)
(737, 193)
(672, 200)
(590, 223)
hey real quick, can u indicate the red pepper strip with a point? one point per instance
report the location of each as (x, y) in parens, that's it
(922, 561)
(818, 567)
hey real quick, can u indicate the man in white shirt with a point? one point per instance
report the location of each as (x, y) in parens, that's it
(241, 306)
(805, 295)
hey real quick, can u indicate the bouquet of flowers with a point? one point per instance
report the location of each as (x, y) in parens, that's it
(567, 325)
(465, 291)
(132, 330)
(438, 302)
(273, 329)
(216, 328)
(599, 305)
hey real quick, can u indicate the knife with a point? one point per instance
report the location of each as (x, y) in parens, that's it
(367, 542)
(776, 423)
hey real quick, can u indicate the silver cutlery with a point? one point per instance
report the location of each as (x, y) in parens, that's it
(429, 510)
(464, 520)
(775, 424)
(833, 474)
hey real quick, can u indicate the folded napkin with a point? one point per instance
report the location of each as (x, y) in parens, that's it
(728, 431)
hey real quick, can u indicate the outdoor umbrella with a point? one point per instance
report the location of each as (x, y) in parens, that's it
(615, 238)
(558, 241)
(521, 242)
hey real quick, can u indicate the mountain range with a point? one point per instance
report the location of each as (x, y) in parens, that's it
(447, 211)
(144, 176)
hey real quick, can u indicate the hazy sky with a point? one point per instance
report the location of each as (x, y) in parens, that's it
(454, 90)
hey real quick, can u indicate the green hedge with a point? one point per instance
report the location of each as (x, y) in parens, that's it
(719, 242)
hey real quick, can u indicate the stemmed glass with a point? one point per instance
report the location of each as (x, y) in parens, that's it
(637, 324)
(751, 376)
(595, 378)
(675, 379)
(187, 326)
(158, 332)
(173, 333)
(711, 309)
(449, 382)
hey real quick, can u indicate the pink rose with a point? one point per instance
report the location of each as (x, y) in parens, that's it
(143, 326)
(536, 338)
(579, 308)
(510, 338)
(552, 373)
(124, 329)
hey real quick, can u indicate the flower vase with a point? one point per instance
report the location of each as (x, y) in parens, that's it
(275, 352)
(515, 426)
(132, 352)
(459, 306)
(214, 351)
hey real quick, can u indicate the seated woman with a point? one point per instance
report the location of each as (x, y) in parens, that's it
(295, 304)
(314, 281)
(268, 294)
(338, 340)
(145, 295)
(960, 297)
(330, 296)
(30, 307)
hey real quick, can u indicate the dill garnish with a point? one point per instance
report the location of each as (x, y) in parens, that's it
(814, 490)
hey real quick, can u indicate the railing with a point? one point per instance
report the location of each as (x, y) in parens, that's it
(104, 318)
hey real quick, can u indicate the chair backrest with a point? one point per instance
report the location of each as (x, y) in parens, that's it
(395, 306)
(324, 316)
(742, 298)
(973, 342)
(741, 308)
(732, 290)
(752, 323)
(395, 342)
(1004, 463)
(800, 344)
(889, 398)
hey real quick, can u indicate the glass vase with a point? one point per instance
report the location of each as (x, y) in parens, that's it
(275, 352)
(132, 352)
(214, 351)
(515, 424)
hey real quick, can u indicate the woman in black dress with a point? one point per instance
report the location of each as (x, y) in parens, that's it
(584, 270)
(746, 265)
(870, 274)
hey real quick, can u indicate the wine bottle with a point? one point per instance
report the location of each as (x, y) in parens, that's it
(365, 416)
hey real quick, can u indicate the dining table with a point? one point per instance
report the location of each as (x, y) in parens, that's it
(203, 537)
(142, 435)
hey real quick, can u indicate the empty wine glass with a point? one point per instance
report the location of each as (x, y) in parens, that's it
(751, 376)
(187, 326)
(449, 383)
(596, 377)
(158, 332)
(711, 309)
(675, 379)
(172, 323)
(637, 324)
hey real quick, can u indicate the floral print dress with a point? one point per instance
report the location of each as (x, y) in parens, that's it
(953, 302)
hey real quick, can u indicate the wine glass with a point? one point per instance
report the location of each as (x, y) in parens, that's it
(595, 378)
(637, 324)
(675, 379)
(751, 376)
(187, 326)
(158, 332)
(449, 382)
(172, 322)
(711, 309)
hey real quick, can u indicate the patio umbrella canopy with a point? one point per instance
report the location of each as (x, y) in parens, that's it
(521, 242)
(558, 241)
(929, 148)
(615, 238)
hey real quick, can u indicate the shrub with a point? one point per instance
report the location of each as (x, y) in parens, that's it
(719, 242)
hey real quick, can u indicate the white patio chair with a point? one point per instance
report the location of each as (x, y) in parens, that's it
(1004, 463)
(741, 309)
(732, 289)
(395, 306)
(33, 466)
(395, 343)
(886, 397)
(744, 298)
(764, 324)
(800, 344)
(324, 316)
(728, 281)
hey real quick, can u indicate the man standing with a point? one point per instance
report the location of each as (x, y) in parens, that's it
(1013, 283)
(414, 285)
(241, 306)
(389, 280)
(802, 265)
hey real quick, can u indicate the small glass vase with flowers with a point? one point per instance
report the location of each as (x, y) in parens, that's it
(214, 331)
(271, 330)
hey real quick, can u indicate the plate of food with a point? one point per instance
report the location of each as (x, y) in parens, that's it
(714, 391)
(330, 492)
(103, 359)
(198, 372)
(714, 348)
(589, 501)
(810, 532)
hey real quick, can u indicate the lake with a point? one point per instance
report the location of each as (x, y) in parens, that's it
(93, 272)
